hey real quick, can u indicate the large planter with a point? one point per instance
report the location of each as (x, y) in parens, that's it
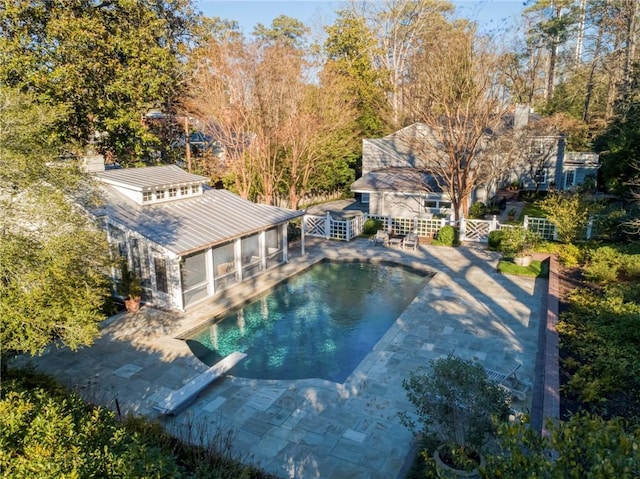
(132, 305)
(522, 260)
(445, 471)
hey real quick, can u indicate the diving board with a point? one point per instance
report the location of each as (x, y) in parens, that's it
(179, 399)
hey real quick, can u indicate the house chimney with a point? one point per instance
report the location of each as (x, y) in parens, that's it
(521, 115)
(93, 162)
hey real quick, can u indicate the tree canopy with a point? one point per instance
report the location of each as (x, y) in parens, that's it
(107, 62)
(54, 258)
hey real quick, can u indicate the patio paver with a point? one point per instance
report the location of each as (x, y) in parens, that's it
(314, 428)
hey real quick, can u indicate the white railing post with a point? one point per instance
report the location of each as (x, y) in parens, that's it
(327, 226)
(525, 223)
(463, 229)
(494, 223)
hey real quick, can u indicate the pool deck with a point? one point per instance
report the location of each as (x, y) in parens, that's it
(315, 428)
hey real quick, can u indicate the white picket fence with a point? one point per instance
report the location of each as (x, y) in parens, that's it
(470, 230)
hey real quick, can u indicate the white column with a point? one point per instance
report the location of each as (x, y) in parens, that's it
(210, 272)
(237, 251)
(262, 247)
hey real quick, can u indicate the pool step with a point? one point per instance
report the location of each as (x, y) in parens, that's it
(177, 400)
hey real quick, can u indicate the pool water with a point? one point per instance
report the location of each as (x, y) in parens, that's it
(318, 324)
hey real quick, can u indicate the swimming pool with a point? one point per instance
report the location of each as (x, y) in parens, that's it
(318, 324)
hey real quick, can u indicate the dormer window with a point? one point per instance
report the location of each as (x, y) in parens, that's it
(153, 184)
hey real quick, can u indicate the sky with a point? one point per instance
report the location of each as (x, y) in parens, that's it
(490, 14)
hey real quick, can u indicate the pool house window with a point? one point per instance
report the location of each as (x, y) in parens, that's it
(273, 242)
(159, 194)
(147, 196)
(251, 258)
(173, 192)
(184, 190)
(224, 266)
(160, 266)
(195, 281)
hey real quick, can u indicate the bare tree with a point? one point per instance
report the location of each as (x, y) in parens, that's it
(458, 97)
(402, 28)
(279, 131)
(218, 95)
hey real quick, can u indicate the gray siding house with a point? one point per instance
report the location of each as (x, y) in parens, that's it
(186, 241)
(396, 180)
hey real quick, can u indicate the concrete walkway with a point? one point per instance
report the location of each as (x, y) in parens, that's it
(315, 428)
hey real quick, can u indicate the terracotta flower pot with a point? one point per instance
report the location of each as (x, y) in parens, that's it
(132, 304)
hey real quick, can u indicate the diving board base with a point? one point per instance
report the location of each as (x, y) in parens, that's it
(179, 399)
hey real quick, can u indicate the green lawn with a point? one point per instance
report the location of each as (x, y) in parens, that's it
(530, 209)
(534, 270)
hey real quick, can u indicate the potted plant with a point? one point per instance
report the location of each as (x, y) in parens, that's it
(517, 244)
(130, 288)
(455, 400)
(511, 214)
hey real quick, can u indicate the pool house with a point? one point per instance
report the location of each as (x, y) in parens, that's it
(186, 241)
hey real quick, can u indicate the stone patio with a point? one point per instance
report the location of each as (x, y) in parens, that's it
(314, 428)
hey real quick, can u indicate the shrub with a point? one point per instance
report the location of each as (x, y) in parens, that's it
(604, 264)
(631, 266)
(609, 225)
(371, 226)
(447, 235)
(495, 237)
(569, 213)
(569, 255)
(477, 210)
(517, 241)
(585, 446)
(599, 333)
(455, 399)
(41, 431)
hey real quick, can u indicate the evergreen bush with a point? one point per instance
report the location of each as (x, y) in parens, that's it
(495, 237)
(447, 235)
(371, 226)
(477, 210)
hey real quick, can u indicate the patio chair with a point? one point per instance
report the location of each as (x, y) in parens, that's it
(381, 237)
(509, 381)
(410, 241)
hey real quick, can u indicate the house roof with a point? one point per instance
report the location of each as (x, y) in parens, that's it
(401, 180)
(400, 147)
(192, 224)
(141, 179)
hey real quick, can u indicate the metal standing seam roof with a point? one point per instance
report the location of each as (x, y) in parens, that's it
(140, 179)
(191, 224)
